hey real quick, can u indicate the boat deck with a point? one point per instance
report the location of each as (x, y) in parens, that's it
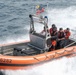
(23, 49)
(20, 49)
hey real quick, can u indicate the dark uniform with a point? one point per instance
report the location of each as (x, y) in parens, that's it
(61, 38)
(54, 36)
(67, 35)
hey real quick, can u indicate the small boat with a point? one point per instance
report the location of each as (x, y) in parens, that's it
(29, 53)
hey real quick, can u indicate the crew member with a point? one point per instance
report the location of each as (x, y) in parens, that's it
(54, 36)
(61, 38)
(67, 35)
(51, 29)
(43, 31)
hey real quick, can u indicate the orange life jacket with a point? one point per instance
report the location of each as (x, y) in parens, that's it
(67, 34)
(54, 42)
(53, 45)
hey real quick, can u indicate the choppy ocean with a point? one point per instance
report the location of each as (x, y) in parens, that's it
(14, 27)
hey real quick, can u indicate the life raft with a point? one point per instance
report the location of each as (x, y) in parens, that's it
(25, 62)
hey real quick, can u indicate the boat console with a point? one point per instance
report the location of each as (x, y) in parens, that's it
(39, 41)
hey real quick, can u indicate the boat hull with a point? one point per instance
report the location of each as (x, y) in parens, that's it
(25, 62)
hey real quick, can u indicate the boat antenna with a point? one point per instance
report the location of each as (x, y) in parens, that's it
(33, 9)
(47, 6)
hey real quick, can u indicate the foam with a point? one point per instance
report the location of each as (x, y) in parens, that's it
(63, 17)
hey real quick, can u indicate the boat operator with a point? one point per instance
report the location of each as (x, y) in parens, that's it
(51, 29)
(54, 37)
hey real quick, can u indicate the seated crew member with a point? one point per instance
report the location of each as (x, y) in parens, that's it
(67, 35)
(61, 38)
(54, 36)
(51, 29)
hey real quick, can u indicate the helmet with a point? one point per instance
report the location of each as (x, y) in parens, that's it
(61, 29)
(67, 29)
(53, 25)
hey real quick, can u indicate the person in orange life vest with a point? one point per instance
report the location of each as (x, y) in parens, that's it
(61, 38)
(54, 36)
(51, 29)
(67, 35)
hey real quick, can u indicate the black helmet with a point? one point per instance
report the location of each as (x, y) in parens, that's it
(53, 25)
(67, 29)
(44, 27)
(61, 29)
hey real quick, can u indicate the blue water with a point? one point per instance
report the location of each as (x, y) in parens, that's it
(14, 20)
(14, 23)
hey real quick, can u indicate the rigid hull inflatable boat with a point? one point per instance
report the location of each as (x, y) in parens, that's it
(27, 54)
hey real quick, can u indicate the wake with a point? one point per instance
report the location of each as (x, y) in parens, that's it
(64, 66)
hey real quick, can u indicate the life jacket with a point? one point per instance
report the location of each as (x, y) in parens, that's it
(51, 30)
(67, 34)
(61, 35)
(54, 33)
(54, 43)
(53, 47)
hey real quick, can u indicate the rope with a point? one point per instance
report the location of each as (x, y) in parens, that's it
(70, 44)
(53, 56)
